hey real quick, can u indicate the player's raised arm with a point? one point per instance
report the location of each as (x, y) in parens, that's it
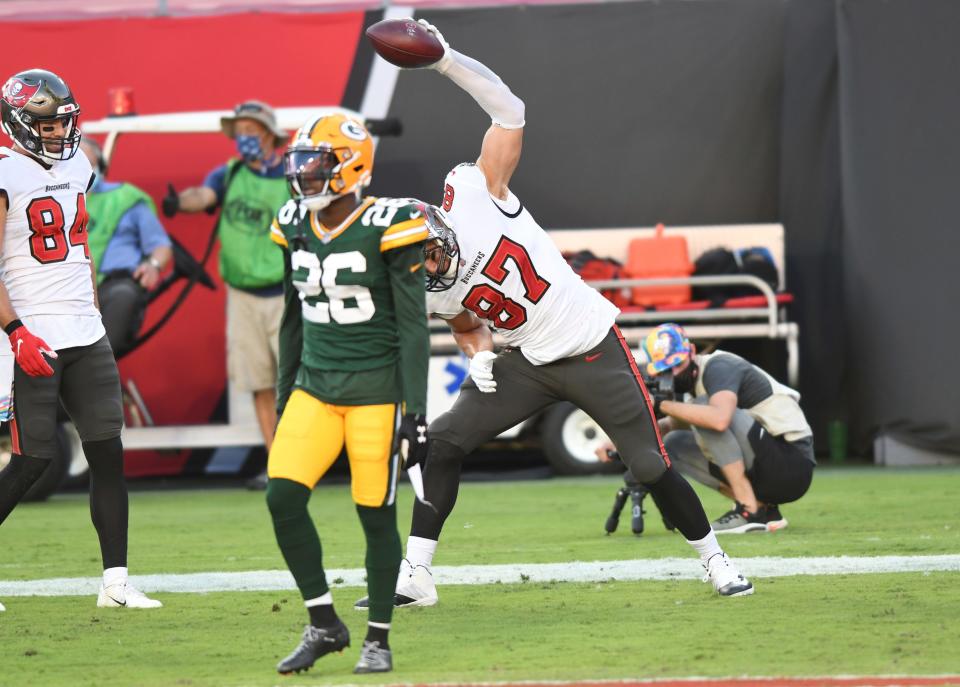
(503, 141)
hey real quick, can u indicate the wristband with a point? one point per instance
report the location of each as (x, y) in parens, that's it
(12, 326)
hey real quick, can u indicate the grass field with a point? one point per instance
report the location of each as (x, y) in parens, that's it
(901, 623)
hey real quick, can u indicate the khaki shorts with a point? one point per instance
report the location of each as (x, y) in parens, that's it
(253, 339)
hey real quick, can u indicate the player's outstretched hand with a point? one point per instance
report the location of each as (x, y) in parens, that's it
(441, 64)
(171, 201)
(28, 350)
(414, 439)
(481, 371)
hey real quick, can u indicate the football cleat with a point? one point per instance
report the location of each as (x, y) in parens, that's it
(415, 587)
(2, 608)
(739, 520)
(726, 579)
(373, 659)
(316, 643)
(124, 595)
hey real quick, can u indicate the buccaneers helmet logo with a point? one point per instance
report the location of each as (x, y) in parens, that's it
(18, 93)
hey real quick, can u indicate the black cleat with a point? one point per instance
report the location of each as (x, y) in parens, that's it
(317, 642)
(373, 659)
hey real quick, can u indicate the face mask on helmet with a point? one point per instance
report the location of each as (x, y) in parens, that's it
(314, 175)
(441, 252)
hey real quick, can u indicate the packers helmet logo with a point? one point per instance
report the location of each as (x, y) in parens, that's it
(353, 130)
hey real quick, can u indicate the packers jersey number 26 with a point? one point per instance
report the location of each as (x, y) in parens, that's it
(361, 301)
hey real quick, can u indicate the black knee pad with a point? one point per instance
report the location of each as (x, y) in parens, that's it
(286, 498)
(648, 468)
(40, 436)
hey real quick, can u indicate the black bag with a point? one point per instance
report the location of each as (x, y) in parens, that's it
(755, 261)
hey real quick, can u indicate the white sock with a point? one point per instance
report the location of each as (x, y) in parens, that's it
(708, 547)
(113, 576)
(420, 551)
(382, 626)
(325, 600)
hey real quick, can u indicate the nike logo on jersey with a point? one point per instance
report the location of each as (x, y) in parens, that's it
(591, 358)
(415, 214)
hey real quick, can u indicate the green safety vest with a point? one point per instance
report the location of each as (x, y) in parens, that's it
(249, 259)
(106, 209)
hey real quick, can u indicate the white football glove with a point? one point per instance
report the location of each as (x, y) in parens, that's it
(444, 62)
(481, 371)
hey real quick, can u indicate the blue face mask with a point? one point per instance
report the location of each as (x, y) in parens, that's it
(249, 148)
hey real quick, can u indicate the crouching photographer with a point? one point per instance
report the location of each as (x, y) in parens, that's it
(743, 434)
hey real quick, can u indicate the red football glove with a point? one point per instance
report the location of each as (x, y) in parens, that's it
(28, 350)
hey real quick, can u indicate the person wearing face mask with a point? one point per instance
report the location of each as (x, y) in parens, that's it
(249, 189)
(743, 434)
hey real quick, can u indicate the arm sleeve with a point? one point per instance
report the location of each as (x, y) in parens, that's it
(152, 234)
(405, 265)
(216, 181)
(291, 337)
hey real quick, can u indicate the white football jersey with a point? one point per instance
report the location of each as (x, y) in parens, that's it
(513, 276)
(44, 265)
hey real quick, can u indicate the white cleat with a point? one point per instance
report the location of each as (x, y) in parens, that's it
(124, 595)
(415, 587)
(2, 608)
(725, 577)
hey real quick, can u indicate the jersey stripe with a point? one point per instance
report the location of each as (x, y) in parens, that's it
(401, 227)
(277, 235)
(405, 238)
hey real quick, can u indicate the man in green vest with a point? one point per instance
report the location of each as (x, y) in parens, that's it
(129, 247)
(249, 190)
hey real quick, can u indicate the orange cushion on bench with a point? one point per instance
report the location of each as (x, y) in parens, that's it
(659, 257)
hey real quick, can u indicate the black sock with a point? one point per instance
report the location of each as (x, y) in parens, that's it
(378, 634)
(679, 504)
(108, 499)
(16, 479)
(323, 615)
(441, 482)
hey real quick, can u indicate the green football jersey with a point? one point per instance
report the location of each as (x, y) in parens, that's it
(354, 329)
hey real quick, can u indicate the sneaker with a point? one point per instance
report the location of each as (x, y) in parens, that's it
(775, 521)
(373, 659)
(739, 520)
(415, 587)
(726, 579)
(124, 594)
(316, 643)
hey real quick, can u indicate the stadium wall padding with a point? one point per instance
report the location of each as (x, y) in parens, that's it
(637, 112)
(900, 108)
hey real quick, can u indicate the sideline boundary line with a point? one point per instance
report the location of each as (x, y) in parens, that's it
(595, 571)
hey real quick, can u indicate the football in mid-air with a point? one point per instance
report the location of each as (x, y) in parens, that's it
(405, 43)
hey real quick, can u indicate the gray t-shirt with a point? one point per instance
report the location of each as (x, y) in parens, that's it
(775, 406)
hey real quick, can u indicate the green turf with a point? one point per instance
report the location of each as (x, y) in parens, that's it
(876, 624)
(857, 512)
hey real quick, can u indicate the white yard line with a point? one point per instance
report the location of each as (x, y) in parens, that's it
(595, 571)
